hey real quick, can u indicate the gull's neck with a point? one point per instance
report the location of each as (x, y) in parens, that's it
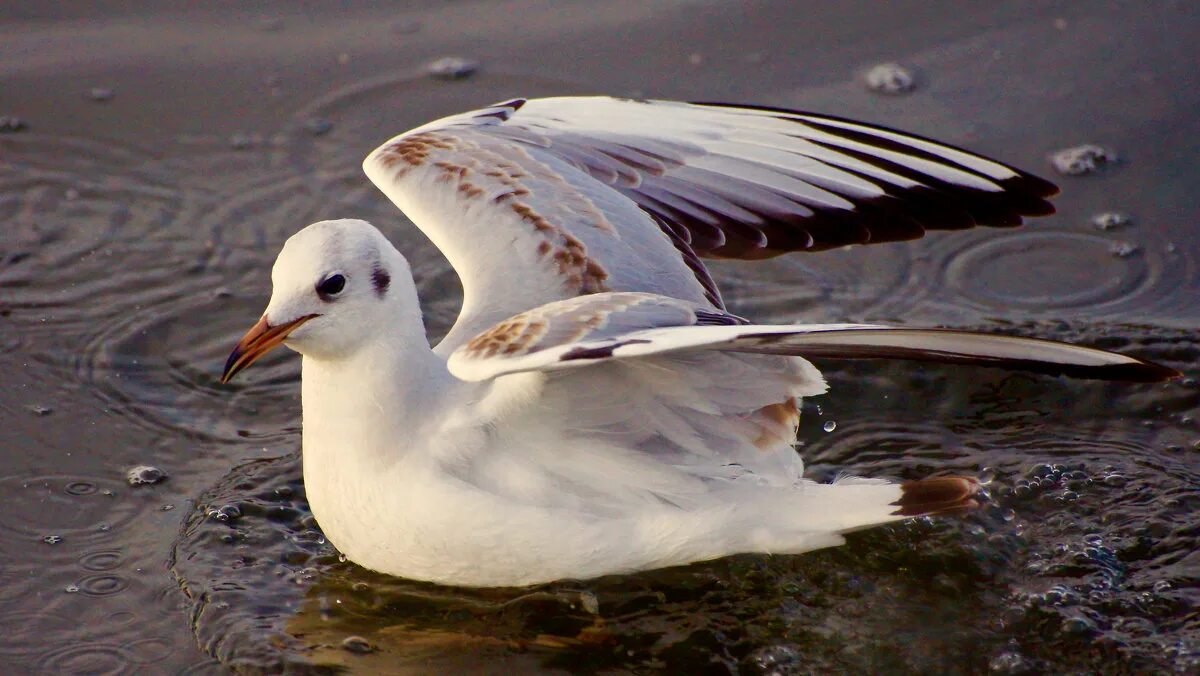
(368, 410)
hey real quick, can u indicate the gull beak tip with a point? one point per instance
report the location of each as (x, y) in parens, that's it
(259, 340)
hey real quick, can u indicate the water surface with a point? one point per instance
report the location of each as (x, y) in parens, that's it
(138, 233)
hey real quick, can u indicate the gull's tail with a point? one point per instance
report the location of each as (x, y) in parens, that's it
(815, 516)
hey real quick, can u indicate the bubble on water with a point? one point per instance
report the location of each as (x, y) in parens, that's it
(41, 410)
(343, 58)
(224, 512)
(143, 475)
(1082, 160)
(167, 507)
(71, 588)
(890, 78)
(100, 94)
(357, 644)
(829, 426)
(695, 58)
(451, 68)
(986, 475)
(1123, 249)
(11, 124)
(1110, 220)
(52, 539)
(1162, 586)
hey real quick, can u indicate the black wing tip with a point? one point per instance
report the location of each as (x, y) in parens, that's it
(940, 205)
(1133, 372)
(937, 496)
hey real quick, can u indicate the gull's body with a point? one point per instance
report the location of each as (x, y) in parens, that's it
(595, 410)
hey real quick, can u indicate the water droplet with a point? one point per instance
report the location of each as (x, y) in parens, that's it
(357, 644)
(829, 426)
(890, 78)
(451, 68)
(342, 558)
(1082, 160)
(1123, 249)
(52, 539)
(142, 475)
(11, 124)
(1110, 220)
(1115, 480)
(100, 94)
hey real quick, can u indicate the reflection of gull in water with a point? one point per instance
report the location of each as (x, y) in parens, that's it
(595, 409)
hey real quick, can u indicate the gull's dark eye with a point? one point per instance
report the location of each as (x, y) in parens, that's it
(331, 286)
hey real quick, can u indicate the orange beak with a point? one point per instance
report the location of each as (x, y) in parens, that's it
(259, 340)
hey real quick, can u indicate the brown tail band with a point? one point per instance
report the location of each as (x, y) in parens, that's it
(938, 495)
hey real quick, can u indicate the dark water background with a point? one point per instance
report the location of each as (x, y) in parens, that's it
(170, 149)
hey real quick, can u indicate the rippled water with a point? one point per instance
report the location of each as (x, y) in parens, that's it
(137, 231)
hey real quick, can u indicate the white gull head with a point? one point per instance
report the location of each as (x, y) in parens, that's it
(336, 286)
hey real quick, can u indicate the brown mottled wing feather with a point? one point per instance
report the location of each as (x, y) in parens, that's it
(594, 329)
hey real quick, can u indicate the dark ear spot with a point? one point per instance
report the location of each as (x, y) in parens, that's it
(380, 280)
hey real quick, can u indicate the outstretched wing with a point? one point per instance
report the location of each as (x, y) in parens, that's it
(659, 397)
(540, 200)
(594, 329)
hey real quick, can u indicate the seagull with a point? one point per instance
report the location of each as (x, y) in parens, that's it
(595, 409)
